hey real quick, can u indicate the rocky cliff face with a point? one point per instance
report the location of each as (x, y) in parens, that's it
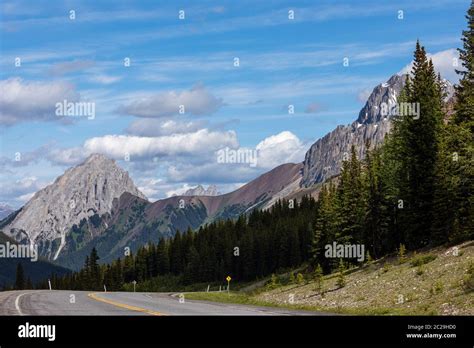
(81, 192)
(324, 159)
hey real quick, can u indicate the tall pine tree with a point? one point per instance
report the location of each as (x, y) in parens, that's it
(417, 138)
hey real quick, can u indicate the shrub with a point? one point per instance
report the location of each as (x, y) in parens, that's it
(422, 260)
(273, 282)
(401, 253)
(368, 258)
(420, 270)
(386, 268)
(318, 278)
(438, 287)
(469, 279)
(341, 281)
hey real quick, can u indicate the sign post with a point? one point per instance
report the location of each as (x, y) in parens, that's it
(134, 285)
(228, 282)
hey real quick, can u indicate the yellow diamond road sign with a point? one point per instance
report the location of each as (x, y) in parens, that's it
(229, 278)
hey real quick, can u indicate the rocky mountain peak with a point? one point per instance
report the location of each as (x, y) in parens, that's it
(97, 158)
(324, 158)
(81, 192)
(201, 191)
(383, 93)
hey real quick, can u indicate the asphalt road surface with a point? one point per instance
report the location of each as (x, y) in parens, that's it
(45, 302)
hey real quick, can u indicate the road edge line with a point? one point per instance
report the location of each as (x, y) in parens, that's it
(17, 303)
(123, 305)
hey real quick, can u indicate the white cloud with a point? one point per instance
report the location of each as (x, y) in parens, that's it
(70, 156)
(274, 150)
(284, 147)
(151, 127)
(26, 101)
(21, 190)
(444, 63)
(26, 197)
(201, 141)
(197, 101)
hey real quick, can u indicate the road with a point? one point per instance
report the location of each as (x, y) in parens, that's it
(45, 302)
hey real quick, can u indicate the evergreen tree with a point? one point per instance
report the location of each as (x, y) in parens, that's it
(375, 217)
(351, 200)
(341, 280)
(464, 107)
(318, 278)
(418, 151)
(326, 226)
(20, 277)
(94, 271)
(29, 284)
(454, 201)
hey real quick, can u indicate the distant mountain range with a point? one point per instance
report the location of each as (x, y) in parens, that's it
(96, 204)
(201, 191)
(5, 210)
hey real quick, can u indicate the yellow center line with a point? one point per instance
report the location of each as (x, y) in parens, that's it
(123, 305)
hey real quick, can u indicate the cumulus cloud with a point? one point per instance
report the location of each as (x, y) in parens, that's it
(23, 159)
(201, 141)
(22, 190)
(445, 62)
(274, 150)
(196, 145)
(170, 164)
(150, 127)
(281, 148)
(196, 101)
(70, 156)
(22, 101)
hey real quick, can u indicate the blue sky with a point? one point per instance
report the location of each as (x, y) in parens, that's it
(190, 62)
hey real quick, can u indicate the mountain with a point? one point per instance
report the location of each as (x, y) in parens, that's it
(201, 191)
(324, 158)
(82, 192)
(5, 210)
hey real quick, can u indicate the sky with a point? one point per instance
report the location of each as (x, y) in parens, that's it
(164, 87)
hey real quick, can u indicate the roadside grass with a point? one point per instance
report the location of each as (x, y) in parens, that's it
(433, 282)
(244, 299)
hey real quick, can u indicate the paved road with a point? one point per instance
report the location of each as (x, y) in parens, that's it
(44, 302)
